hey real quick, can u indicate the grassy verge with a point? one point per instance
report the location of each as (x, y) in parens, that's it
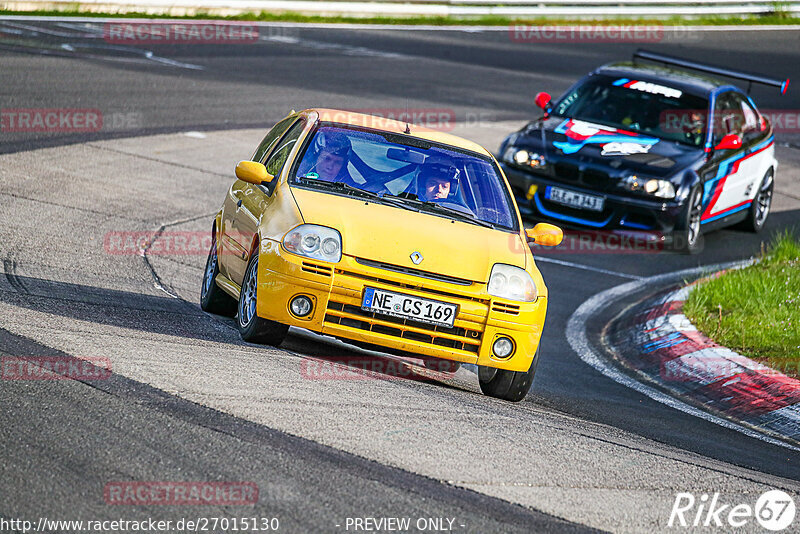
(489, 20)
(756, 311)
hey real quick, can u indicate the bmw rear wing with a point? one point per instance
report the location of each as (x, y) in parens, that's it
(722, 71)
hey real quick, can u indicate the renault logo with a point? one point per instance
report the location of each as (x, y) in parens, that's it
(416, 257)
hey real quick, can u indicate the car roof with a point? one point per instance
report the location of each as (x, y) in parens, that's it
(686, 81)
(375, 122)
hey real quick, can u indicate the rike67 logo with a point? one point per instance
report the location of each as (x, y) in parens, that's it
(774, 510)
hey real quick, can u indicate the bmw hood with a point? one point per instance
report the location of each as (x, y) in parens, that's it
(387, 234)
(614, 150)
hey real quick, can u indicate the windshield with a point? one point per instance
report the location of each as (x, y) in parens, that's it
(637, 106)
(406, 172)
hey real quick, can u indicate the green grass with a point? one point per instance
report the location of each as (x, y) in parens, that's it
(777, 17)
(756, 310)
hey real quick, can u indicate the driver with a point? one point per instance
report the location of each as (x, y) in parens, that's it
(333, 154)
(436, 182)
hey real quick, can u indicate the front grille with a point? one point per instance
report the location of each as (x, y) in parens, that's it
(569, 172)
(317, 268)
(415, 272)
(386, 281)
(501, 307)
(451, 337)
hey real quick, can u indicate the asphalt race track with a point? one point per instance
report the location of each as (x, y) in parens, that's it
(188, 400)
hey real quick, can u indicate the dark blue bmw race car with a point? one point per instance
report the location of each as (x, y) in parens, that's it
(648, 148)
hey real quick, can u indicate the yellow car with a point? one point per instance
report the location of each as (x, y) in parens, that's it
(395, 237)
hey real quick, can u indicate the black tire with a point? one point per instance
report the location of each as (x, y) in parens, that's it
(512, 386)
(759, 209)
(688, 237)
(212, 298)
(253, 328)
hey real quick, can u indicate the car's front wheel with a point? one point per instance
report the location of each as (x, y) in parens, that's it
(252, 327)
(507, 385)
(688, 236)
(759, 209)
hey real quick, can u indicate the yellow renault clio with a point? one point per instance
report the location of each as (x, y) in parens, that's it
(386, 235)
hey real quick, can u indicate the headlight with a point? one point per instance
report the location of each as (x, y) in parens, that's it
(651, 186)
(312, 241)
(511, 283)
(523, 158)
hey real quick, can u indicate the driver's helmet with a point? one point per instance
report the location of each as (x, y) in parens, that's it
(333, 143)
(440, 171)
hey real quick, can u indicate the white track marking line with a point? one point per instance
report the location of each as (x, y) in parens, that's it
(545, 259)
(579, 341)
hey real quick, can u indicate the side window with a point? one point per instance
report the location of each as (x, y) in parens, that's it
(279, 156)
(749, 118)
(271, 138)
(727, 116)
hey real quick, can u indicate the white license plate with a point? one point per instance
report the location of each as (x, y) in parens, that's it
(574, 199)
(409, 307)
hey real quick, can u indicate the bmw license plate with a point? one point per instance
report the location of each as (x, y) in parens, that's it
(574, 199)
(409, 307)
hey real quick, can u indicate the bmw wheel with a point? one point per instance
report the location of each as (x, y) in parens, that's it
(688, 237)
(252, 327)
(759, 209)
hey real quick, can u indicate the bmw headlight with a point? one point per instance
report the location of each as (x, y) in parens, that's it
(650, 186)
(523, 158)
(511, 283)
(313, 241)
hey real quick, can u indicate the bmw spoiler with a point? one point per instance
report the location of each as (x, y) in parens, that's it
(722, 71)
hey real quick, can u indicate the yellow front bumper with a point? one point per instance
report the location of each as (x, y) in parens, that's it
(337, 290)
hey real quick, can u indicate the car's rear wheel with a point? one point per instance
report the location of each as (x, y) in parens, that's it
(688, 236)
(212, 298)
(252, 327)
(507, 385)
(759, 209)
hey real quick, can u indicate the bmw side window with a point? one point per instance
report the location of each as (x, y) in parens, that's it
(271, 138)
(727, 117)
(749, 118)
(278, 158)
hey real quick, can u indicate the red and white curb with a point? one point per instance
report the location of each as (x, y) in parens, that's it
(661, 355)
(671, 352)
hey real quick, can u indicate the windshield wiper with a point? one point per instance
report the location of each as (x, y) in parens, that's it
(438, 208)
(341, 186)
(433, 206)
(338, 185)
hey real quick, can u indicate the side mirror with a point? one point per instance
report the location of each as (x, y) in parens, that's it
(729, 142)
(253, 172)
(545, 234)
(543, 100)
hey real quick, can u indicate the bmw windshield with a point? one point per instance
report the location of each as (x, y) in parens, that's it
(405, 172)
(637, 106)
